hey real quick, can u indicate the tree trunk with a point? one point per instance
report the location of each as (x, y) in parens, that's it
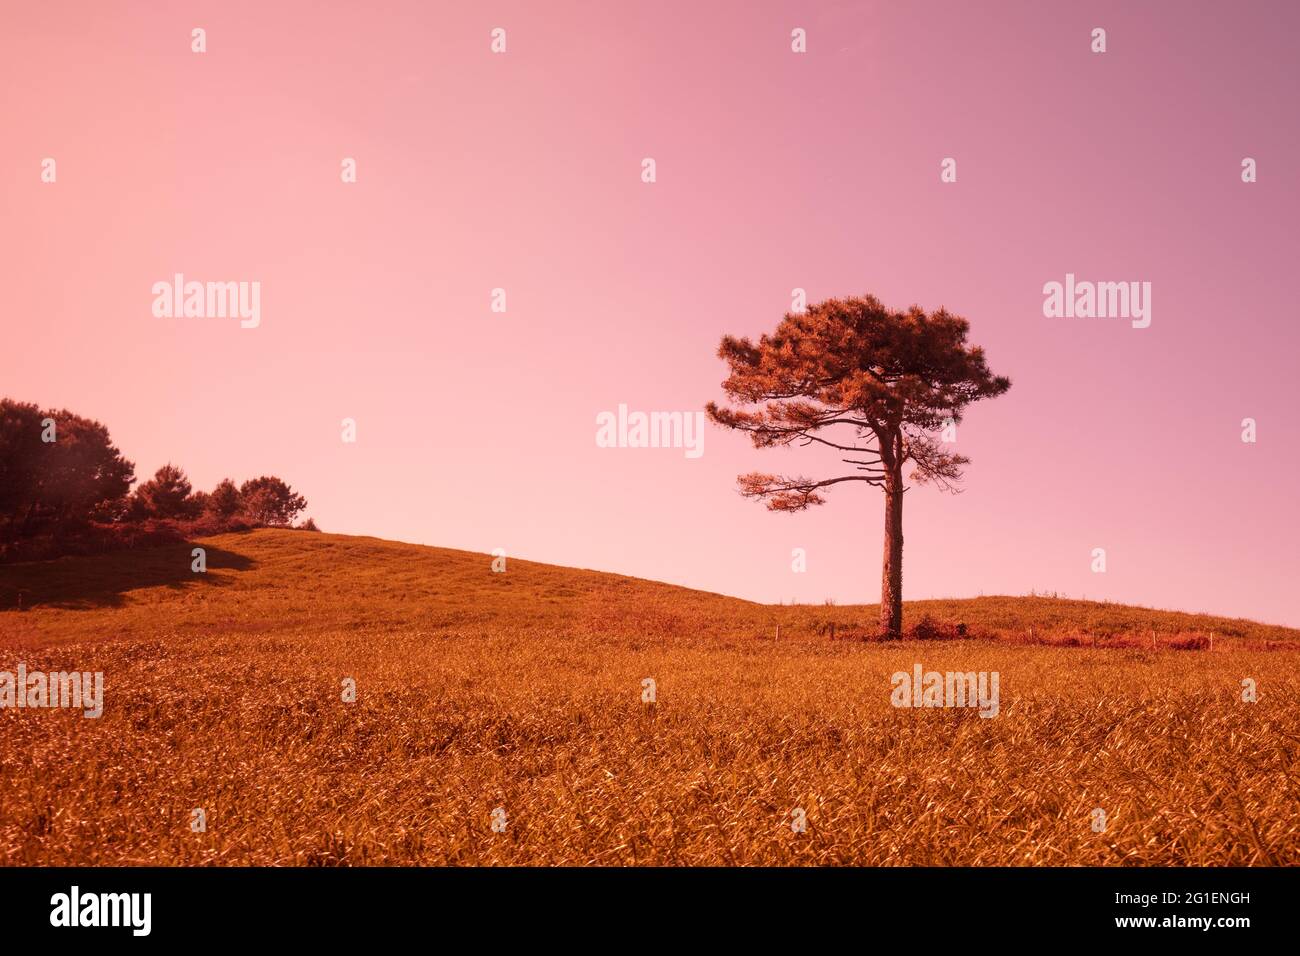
(891, 577)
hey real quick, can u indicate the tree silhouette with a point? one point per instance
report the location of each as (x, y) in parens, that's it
(269, 501)
(166, 495)
(59, 483)
(224, 501)
(880, 384)
(66, 489)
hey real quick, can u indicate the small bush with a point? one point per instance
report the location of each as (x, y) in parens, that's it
(102, 537)
(929, 629)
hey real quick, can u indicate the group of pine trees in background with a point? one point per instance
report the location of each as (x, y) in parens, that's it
(65, 488)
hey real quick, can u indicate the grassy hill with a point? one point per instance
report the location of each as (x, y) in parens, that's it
(279, 581)
(523, 691)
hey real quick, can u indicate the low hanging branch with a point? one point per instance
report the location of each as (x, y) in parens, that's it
(853, 376)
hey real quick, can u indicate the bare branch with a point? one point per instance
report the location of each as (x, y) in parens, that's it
(792, 494)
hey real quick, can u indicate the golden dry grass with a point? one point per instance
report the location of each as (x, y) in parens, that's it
(523, 691)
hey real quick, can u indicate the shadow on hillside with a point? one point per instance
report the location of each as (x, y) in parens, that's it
(101, 580)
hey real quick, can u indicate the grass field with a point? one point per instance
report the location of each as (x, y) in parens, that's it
(523, 691)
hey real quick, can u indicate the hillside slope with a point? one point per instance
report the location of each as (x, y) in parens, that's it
(284, 581)
(524, 698)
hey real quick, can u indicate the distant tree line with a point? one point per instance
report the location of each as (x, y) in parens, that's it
(66, 489)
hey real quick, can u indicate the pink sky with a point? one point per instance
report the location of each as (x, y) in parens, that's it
(775, 170)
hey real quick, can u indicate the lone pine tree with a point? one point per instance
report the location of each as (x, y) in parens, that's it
(856, 377)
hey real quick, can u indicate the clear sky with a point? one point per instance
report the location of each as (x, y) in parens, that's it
(775, 170)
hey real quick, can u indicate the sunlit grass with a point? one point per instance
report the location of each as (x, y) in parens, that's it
(523, 691)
